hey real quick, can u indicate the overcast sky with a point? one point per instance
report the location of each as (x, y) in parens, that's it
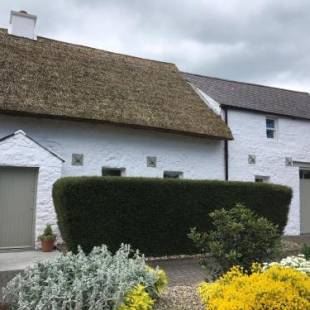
(260, 41)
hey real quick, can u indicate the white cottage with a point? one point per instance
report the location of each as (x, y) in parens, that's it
(271, 129)
(69, 110)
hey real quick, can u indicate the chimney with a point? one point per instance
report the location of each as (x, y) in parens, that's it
(23, 24)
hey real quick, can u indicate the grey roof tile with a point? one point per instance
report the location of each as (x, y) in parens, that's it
(253, 97)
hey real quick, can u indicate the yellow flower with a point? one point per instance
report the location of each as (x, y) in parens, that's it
(137, 299)
(162, 279)
(277, 288)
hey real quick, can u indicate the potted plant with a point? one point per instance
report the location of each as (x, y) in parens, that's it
(47, 239)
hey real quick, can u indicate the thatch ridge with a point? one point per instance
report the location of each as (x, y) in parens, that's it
(56, 79)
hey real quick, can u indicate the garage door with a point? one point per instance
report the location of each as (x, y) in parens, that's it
(17, 201)
(305, 201)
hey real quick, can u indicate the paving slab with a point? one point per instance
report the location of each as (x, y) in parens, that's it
(182, 271)
(19, 260)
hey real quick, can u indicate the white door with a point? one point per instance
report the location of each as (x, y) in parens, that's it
(17, 201)
(305, 201)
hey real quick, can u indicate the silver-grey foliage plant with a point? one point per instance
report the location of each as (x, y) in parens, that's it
(96, 281)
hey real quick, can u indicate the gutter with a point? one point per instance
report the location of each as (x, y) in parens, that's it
(226, 150)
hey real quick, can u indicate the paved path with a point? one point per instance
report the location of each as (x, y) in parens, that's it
(302, 239)
(182, 271)
(18, 260)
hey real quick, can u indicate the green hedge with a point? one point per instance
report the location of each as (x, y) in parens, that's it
(154, 215)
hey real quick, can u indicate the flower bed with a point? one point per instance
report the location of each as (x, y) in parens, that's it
(298, 262)
(277, 287)
(98, 281)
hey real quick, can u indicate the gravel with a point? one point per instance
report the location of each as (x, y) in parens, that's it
(179, 298)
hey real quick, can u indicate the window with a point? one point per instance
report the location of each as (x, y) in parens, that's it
(251, 159)
(270, 128)
(304, 174)
(113, 172)
(77, 160)
(261, 179)
(151, 161)
(173, 174)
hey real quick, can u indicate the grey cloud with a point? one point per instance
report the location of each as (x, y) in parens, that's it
(257, 41)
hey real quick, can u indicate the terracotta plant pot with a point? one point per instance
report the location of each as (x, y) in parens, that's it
(48, 245)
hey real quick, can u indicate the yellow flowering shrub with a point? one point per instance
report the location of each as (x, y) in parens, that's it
(162, 279)
(277, 288)
(140, 297)
(137, 299)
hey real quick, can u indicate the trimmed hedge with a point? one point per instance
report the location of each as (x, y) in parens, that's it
(154, 215)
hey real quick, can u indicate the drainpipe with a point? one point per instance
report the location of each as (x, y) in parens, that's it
(226, 147)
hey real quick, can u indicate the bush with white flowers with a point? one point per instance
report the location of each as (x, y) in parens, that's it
(298, 262)
(96, 281)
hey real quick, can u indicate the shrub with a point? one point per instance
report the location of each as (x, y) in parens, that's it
(276, 288)
(98, 281)
(47, 234)
(153, 215)
(297, 262)
(240, 237)
(137, 299)
(306, 251)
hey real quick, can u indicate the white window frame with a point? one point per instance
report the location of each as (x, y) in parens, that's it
(273, 129)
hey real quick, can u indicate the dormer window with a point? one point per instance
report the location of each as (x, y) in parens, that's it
(271, 128)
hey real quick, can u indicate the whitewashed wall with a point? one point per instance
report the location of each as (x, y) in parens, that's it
(293, 140)
(110, 146)
(106, 145)
(20, 151)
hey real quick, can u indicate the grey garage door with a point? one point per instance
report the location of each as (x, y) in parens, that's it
(305, 201)
(17, 201)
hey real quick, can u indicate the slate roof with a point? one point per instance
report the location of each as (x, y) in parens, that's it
(253, 97)
(49, 78)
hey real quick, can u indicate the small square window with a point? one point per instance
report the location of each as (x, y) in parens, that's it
(151, 161)
(77, 159)
(112, 172)
(270, 128)
(289, 161)
(173, 174)
(251, 159)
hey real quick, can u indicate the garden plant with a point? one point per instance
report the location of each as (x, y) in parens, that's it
(306, 251)
(239, 237)
(155, 214)
(275, 288)
(47, 239)
(98, 281)
(298, 262)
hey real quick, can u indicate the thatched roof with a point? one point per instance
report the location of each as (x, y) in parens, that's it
(56, 79)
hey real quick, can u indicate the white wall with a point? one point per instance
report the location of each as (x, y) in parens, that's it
(293, 140)
(106, 145)
(20, 151)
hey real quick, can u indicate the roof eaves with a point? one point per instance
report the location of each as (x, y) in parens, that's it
(259, 111)
(246, 83)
